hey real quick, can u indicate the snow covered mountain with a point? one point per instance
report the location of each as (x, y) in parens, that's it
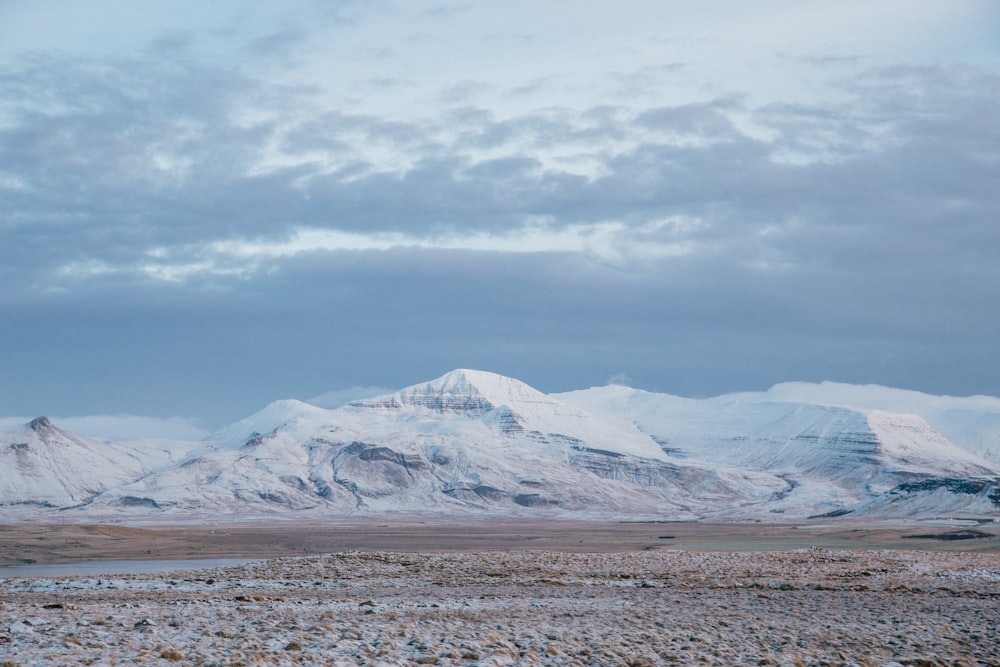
(42, 465)
(469, 441)
(833, 456)
(477, 443)
(973, 422)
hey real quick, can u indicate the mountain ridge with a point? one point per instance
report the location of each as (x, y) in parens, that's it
(479, 443)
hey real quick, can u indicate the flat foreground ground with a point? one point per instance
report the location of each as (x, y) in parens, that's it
(562, 593)
(30, 543)
(813, 606)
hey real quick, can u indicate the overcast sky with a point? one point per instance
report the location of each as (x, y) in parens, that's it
(208, 206)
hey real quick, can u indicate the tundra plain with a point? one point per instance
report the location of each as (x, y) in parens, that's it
(503, 594)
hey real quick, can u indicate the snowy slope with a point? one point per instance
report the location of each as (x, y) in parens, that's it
(972, 422)
(833, 456)
(511, 407)
(935, 498)
(43, 465)
(272, 417)
(468, 441)
(477, 443)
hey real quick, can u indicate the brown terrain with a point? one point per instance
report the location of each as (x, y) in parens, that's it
(27, 543)
(481, 595)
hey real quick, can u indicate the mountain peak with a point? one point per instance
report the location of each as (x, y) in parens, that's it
(498, 389)
(41, 425)
(271, 417)
(464, 391)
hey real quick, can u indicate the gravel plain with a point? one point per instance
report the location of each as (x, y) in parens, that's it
(811, 606)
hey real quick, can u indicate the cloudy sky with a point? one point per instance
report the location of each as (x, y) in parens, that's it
(208, 206)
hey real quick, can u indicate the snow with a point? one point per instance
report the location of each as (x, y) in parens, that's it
(758, 431)
(474, 442)
(43, 465)
(467, 442)
(122, 427)
(272, 417)
(912, 444)
(870, 397)
(337, 398)
(813, 606)
(971, 421)
(466, 392)
(833, 455)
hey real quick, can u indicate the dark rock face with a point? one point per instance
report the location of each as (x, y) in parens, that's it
(41, 425)
(367, 452)
(601, 452)
(475, 405)
(375, 471)
(440, 459)
(831, 515)
(323, 488)
(489, 493)
(986, 488)
(476, 494)
(611, 465)
(968, 486)
(508, 422)
(451, 403)
(847, 449)
(534, 500)
(253, 441)
(136, 501)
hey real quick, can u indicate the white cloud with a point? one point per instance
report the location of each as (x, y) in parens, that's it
(613, 243)
(622, 379)
(338, 397)
(11, 181)
(10, 423)
(122, 427)
(133, 427)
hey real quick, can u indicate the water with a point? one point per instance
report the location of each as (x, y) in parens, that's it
(110, 567)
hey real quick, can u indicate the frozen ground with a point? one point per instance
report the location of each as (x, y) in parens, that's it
(812, 606)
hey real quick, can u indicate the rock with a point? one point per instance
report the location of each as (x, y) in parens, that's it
(19, 627)
(144, 625)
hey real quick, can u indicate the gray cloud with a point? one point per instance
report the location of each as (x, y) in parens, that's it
(395, 317)
(96, 158)
(852, 240)
(710, 120)
(280, 43)
(445, 10)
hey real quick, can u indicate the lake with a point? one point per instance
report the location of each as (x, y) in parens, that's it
(110, 567)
